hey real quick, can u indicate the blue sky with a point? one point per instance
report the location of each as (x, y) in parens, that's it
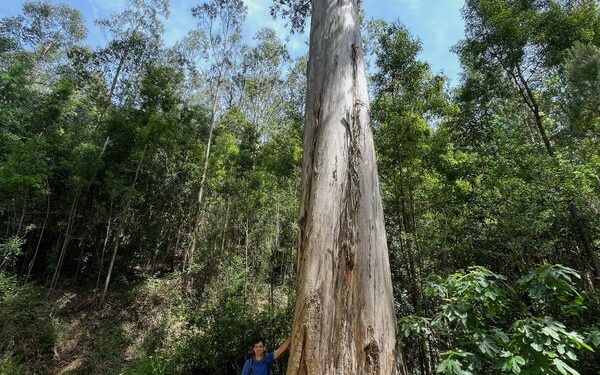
(437, 23)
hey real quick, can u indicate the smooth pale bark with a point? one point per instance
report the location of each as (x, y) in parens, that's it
(22, 218)
(197, 229)
(106, 237)
(67, 238)
(273, 252)
(37, 247)
(247, 271)
(344, 322)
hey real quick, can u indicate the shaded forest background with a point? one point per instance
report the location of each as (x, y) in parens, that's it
(149, 194)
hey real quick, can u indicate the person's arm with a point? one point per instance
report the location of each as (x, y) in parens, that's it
(282, 348)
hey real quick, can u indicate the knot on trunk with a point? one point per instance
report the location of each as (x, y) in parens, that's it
(312, 305)
(372, 354)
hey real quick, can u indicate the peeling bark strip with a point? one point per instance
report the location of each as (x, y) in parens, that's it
(344, 321)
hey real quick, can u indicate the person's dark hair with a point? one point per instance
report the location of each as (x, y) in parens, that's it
(256, 341)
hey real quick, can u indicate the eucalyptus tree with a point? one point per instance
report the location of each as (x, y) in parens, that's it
(44, 32)
(134, 40)
(153, 138)
(344, 320)
(261, 100)
(295, 86)
(134, 43)
(261, 80)
(219, 32)
(33, 45)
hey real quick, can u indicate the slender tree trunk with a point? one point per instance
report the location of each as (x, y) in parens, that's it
(66, 241)
(79, 259)
(344, 321)
(45, 52)
(580, 223)
(417, 247)
(247, 271)
(106, 237)
(110, 268)
(410, 243)
(432, 356)
(115, 80)
(273, 252)
(532, 103)
(176, 247)
(198, 211)
(8, 221)
(585, 239)
(121, 229)
(21, 218)
(37, 246)
(113, 86)
(225, 226)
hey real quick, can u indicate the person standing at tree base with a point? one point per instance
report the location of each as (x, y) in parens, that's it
(261, 363)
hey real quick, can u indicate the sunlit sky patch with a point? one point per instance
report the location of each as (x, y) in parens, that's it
(437, 23)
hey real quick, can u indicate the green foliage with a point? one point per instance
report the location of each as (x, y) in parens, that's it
(486, 327)
(150, 365)
(8, 366)
(475, 295)
(10, 250)
(25, 170)
(27, 332)
(578, 85)
(467, 179)
(43, 30)
(220, 342)
(103, 149)
(551, 286)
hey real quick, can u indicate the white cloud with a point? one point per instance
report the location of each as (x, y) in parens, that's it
(103, 8)
(257, 6)
(414, 6)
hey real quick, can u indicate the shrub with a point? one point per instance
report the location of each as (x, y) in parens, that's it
(486, 325)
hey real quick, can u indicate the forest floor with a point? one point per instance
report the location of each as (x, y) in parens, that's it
(69, 334)
(147, 326)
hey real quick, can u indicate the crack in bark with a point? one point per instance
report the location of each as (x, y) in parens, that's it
(354, 61)
(309, 173)
(348, 237)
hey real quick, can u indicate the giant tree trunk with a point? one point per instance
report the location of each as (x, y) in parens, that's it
(344, 322)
